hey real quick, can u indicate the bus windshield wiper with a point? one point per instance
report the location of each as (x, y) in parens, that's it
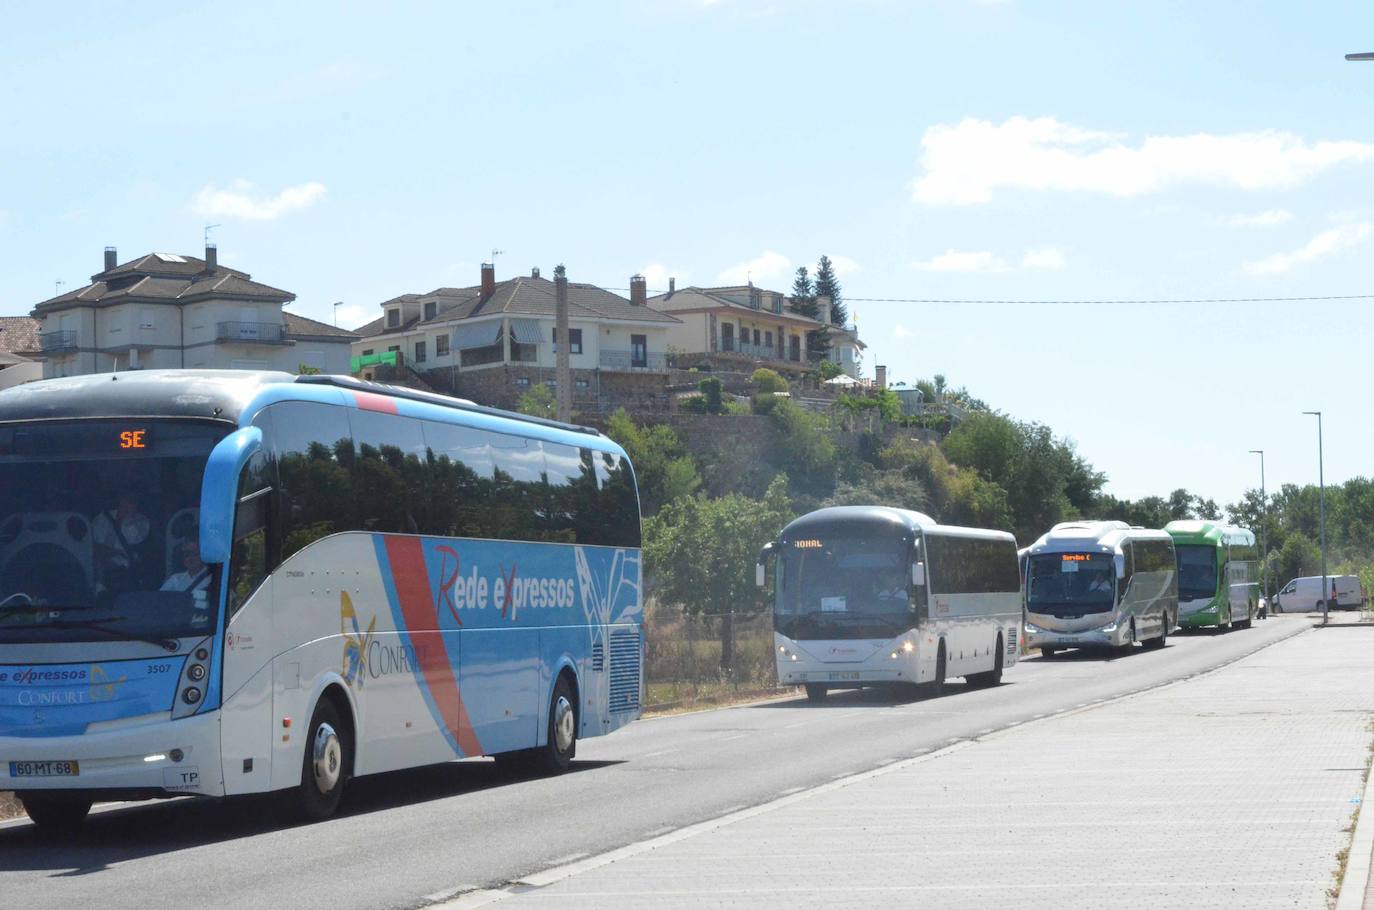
(166, 644)
(33, 609)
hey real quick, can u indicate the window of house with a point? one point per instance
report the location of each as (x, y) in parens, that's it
(583, 383)
(368, 352)
(727, 336)
(441, 346)
(639, 350)
(522, 381)
(430, 307)
(394, 347)
(145, 317)
(768, 339)
(756, 337)
(419, 352)
(574, 341)
(393, 318)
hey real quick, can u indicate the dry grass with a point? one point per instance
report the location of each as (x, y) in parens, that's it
(9, 806)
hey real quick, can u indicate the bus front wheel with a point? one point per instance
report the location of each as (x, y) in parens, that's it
(55, 812)
(325, 765)
(937, 686)
(1048, 653)
(815, 693)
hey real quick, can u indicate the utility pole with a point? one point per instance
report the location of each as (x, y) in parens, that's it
(562, 369)
(1321, 486)
(1264, 528)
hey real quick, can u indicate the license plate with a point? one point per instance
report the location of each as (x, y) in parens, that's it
(844, 675)
(44, 769)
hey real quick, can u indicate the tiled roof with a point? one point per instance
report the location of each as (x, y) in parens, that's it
(517, 297)
(19, 335)
(695, 298)
(158, 276)
(302, 327)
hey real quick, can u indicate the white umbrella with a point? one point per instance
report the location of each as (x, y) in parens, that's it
(842, 379)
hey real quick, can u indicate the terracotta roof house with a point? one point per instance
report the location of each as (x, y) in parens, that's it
(165, 310)
(21, 359)
(493, 341)
(744, 324)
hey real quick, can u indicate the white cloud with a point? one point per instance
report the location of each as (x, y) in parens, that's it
(656, 274)
(241, 199)
(962, 261)
(354, 315)
(1327, 243)
(902, 331)
(968, 162)
(1269, 218)
(1048, 259)
(769, 267)
(845, 266)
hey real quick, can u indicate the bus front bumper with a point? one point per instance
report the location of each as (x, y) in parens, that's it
(1114, 636)
(141, 758)
(839, 679)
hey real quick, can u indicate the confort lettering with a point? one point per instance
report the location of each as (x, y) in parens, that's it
(40, 698)
(384, 660)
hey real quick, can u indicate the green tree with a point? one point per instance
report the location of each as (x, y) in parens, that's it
(828, 370)
(766, 380)
(803, 448)
(828, 285)
(538, 401)
(699, 554)
(711, 392)
(665, 471)
(1300, 555)
(804, 295)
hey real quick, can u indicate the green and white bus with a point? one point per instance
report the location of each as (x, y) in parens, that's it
(1218, 574)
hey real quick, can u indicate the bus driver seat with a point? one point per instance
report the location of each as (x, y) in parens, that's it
(47, 555)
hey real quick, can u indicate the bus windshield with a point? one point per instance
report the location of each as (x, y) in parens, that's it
(1197, 571)
(98, 531)
(844, 587)
(1084, 582)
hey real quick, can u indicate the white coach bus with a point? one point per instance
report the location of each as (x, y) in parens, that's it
(1100, 584)
(873, 596)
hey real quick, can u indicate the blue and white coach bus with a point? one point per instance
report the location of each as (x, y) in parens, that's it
(217, 583)
(875, 596)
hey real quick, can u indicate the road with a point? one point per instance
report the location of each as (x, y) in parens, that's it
(407, 839)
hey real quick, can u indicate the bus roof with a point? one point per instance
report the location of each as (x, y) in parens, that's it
(235, 396)
(829, 518)
(1213, 532)
(1072, 536)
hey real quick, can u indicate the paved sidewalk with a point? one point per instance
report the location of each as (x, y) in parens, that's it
(1234, 789)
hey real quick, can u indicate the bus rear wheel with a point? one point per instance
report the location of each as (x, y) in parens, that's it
(556, 755)
(56, 813)
(1048, 653)
(1155, 644)
(992, 677)
(1247, 621)
(815, 692)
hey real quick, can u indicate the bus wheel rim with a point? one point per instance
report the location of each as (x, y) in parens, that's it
(564, 724)
(327, 758)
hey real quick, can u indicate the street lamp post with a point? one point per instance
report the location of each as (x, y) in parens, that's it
(337, 304)
(1321, 486)
(1264, 528)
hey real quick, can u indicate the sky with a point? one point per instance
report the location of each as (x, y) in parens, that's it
(964, 150)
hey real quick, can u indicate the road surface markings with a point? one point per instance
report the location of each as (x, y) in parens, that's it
(660, 752)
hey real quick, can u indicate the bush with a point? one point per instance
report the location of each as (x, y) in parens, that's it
(766, 380)
(538, 402)
(711, 391)
(763, 403)
(829, 370)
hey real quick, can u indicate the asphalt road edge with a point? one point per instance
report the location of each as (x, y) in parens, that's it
(466, 899)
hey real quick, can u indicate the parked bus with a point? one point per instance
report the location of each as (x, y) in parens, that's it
(217, 583)
(1218, 574)
(873, 596)
(1100, 584)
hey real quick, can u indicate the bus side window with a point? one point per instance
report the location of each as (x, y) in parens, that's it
(1124, 583)
(248, 561)
(314, 451)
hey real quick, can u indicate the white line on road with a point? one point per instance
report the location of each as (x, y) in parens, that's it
(570, 858)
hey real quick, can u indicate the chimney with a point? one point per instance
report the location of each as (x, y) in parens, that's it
(880, 376)
(211, 257)
(672, 286)
(488, 280)
(639, 292)
(111, 258)
(534, 272)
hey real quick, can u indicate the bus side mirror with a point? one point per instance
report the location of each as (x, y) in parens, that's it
(918, 574)
(761, 567)
(219, 492)
(1120, 567)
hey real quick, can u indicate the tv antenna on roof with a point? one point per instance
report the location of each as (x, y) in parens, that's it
(57, 287)
(494, 254)
(208, 229)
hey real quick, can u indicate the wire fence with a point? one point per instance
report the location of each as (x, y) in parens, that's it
(685, 665)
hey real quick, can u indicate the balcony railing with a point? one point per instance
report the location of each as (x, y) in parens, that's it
(629, 360)
(53, 342)
(251, 332)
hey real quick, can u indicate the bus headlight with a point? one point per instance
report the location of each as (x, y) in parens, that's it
(191, 696)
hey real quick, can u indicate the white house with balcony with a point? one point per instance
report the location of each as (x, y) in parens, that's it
(169, 311)
(747, 326)
(496, 340)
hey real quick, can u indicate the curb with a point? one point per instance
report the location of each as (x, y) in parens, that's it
(1355, 882)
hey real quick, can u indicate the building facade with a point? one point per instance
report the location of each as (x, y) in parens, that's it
(494, 341)
(168, 311)
(744, 325)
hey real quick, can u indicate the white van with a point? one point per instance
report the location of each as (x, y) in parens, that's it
(1304, 594)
